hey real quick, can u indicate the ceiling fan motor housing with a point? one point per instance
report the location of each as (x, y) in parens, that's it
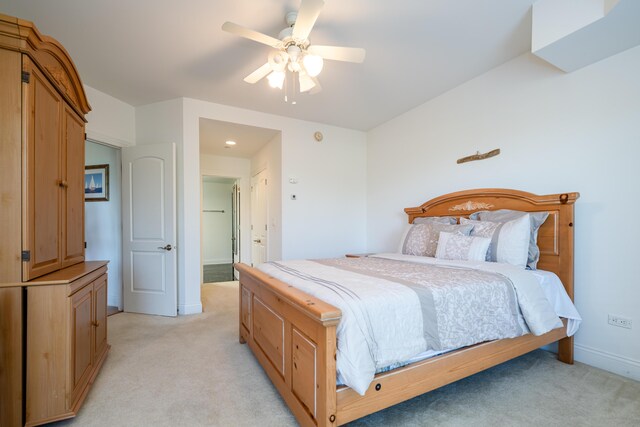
(290, 18)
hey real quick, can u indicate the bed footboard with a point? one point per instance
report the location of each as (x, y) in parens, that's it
(293, 336)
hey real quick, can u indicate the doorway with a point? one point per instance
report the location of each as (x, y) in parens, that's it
(220, 233)
(103, 219)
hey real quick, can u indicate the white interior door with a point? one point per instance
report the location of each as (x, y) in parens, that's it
(259, 218)
(235, 239)
(149, 229)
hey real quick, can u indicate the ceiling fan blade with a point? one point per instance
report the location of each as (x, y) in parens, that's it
(306, 82)
(238, 30)
(258, 74)
(307, 16)
(336, 53)
(317, 88)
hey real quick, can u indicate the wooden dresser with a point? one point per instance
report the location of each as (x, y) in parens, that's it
(53, 328)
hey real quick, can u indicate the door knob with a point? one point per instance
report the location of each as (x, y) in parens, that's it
(166, 248)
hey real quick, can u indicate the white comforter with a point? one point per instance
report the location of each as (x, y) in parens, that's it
(360, 354)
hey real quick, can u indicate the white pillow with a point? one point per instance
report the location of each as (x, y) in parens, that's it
(509, 240)
(504, 215)
(458, 247)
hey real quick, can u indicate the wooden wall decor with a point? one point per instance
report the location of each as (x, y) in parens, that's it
(479, 156)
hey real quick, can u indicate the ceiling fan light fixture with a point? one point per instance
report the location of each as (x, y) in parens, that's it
(306, 82)
(294, 52)
(313, 64)
(276, 79)
(278, 60)
(294, 67)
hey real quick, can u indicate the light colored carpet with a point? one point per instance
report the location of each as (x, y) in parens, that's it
(191, 371)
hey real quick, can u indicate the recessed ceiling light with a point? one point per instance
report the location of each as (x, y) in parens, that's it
(230, 143)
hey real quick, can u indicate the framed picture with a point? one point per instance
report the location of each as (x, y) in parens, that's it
(96, 183)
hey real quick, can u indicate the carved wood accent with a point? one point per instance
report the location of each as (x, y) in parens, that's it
(471, 206)
(60, 77)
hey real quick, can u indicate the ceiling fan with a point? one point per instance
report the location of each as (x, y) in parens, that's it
(293, 51)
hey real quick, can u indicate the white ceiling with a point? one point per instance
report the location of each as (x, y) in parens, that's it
(249, 139)
(145, 51)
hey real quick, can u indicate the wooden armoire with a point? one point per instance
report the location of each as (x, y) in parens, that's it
(53, 324)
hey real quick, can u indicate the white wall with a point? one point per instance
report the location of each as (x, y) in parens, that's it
(329, 212)
(103, 223)
(110, 120)
(216, 226)
(558, 133)
(270, 158)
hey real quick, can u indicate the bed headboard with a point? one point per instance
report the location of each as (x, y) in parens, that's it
(555, 237)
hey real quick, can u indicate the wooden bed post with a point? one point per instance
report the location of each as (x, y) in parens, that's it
(327, 398)
(565, 350)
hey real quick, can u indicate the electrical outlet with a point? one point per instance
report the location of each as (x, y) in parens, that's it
(619, 321)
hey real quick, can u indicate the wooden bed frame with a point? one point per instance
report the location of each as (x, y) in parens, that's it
(293, 335)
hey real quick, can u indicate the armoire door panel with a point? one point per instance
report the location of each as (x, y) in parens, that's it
(41, 232)
(72, 233)
(100, 309)
(82, 305)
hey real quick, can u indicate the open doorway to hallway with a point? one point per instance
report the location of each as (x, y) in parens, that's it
(242, 152)
(220, 228)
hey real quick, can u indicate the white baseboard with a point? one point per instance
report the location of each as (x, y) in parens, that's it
(217, 261)
(185, 309)
(620, 365)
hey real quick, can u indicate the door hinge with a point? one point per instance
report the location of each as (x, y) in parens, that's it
(265, 227)
(85, 245)
(265, 181)
(26, 255)
(26, 76)
(85, 135)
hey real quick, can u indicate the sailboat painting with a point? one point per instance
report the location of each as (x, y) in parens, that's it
(96, 183)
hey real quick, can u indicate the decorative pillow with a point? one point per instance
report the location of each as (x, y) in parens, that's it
(422, 239)
(457, 247)
(436, 219)
(509, 240)
(505, 215)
